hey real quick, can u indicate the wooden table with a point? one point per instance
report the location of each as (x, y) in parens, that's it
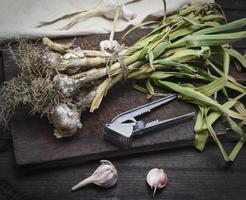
(192, 175)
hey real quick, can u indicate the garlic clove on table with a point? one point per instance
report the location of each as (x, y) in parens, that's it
(157, 178)
(104, 176)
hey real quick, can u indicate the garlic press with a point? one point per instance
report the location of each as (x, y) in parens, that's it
(124, 127)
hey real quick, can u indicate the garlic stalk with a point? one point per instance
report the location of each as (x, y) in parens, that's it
(104, 176)
(58, 47)
(156, 178)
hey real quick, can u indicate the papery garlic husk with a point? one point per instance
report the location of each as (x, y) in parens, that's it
(104, 176)
(157, 178)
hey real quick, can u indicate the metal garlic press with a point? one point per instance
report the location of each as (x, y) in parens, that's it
(124, 127)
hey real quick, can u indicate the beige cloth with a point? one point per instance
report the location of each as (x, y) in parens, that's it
(19, 17)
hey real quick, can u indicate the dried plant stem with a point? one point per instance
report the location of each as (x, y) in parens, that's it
(82, 16)
(58, 47)
(86, 62)
(116, 16)
(96, 53)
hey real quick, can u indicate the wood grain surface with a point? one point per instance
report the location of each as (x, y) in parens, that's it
(35, 144)
(192, 175)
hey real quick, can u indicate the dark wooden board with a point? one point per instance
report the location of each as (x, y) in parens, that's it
(34, 143)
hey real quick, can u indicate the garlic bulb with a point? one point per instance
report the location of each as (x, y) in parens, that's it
(104, 176)
(156, 178)
(107, 45)
(66, 84)
(66, 120)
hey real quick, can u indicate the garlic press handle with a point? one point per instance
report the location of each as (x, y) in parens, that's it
(163, 124)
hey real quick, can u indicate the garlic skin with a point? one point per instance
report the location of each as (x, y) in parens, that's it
(156, 178)
(105, 176)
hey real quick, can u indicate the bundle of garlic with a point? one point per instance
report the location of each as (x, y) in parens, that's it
(61, 81)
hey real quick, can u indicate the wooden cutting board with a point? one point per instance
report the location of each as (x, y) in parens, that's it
(35, 145)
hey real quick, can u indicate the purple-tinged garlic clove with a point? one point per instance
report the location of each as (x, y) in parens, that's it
(157, 178)
(104, 176)
(65, 120)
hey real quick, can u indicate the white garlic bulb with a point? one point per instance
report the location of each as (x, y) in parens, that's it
(104, 176)
(156, 178)
(107, 45)
(65, 120)
(65, 84)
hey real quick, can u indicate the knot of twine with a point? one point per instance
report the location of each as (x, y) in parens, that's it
(116, 57)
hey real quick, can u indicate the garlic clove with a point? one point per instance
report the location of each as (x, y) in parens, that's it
(104, 176)
(157, 179)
